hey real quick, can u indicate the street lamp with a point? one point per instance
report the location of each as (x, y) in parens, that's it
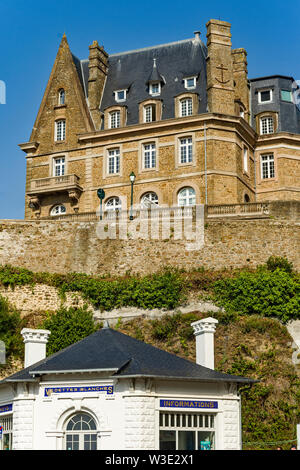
(132, 180)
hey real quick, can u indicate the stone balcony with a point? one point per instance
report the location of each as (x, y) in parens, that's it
(54, 184)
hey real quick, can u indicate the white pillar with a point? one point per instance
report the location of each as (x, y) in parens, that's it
(204, 331)
(298, 436)
(35, 345)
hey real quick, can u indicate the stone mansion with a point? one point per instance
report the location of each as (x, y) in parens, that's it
(183, 117)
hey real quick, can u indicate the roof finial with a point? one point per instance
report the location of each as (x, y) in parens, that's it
(154, 62)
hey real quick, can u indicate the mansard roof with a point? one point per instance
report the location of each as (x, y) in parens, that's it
(121, 356)
(131, 70)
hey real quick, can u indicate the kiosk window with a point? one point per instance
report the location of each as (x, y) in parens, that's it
(186, 431)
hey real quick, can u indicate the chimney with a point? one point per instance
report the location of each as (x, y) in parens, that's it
(204, 331)
(98, 59)
(197, 35)
(35, 345)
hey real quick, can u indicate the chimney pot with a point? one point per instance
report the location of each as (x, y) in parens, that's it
(204, 331)
(35, 345)
(197, 35)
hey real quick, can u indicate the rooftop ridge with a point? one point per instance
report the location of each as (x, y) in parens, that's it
(152, 47)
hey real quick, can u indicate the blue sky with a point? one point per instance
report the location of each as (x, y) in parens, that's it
(31, 31)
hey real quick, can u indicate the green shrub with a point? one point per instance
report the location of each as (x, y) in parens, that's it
(265, 293)
(68, 326)
(10, 325)
(276, 262)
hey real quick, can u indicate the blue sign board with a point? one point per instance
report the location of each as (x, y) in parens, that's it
(5, 408)
(109, 389)
(192, 404)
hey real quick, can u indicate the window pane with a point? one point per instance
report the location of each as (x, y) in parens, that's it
(167, 440)
(286, 95)
(186, 440)
(265, 96)
(205, 440)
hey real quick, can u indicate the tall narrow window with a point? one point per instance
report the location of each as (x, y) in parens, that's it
(149, 155)
(186, 107)
(186, 150)
(114, 161)
(266, 125)
(150, 113)
(245, 159)
(60, 130)
(114, 119)
(61, 96)
(59, 166)
(267, 166)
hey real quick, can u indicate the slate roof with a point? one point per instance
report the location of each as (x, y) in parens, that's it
(121, 356)
(132, 70)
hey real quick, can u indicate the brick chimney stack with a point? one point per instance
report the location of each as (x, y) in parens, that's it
(220, 87)
(97, 75)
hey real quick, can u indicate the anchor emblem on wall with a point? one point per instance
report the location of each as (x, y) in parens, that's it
(222, 68)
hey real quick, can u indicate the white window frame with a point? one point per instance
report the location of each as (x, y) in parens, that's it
(81, 433)
(186, 107)
(187, 198)
(188, 422)
(115, 119)
(186, 83)
(267, 166)
(154, 93)
(186, 150)
(60, 130)
(149, 115)
(266, 125)
(58, 209)
(120, 100)
(149, 155)
(113, 161)
(262, 91)
(113, 203)
(149, 199)
(59, 166)
(6, 421)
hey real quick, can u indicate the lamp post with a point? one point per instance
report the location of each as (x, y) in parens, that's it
(132, 180)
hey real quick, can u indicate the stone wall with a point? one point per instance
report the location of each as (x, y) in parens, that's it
(58, 246)
(40, 298)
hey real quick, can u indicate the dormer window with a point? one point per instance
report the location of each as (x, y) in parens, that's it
(190, 83)
(155, 88)
(150, 113)
(61, 97)
(265, 96)
(266, 125)
(120, 95)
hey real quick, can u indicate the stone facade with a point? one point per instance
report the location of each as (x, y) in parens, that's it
(66, 246)
(226, 160)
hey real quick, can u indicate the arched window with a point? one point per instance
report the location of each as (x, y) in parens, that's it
(149, 200)
(58, 210)
(113, 204)
(61, 96)
(246, 198)
(81, 433)
(187, 197)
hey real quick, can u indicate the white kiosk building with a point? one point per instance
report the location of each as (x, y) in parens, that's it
(110, 391)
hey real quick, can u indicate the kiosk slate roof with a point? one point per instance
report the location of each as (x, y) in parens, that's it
(121, 356)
